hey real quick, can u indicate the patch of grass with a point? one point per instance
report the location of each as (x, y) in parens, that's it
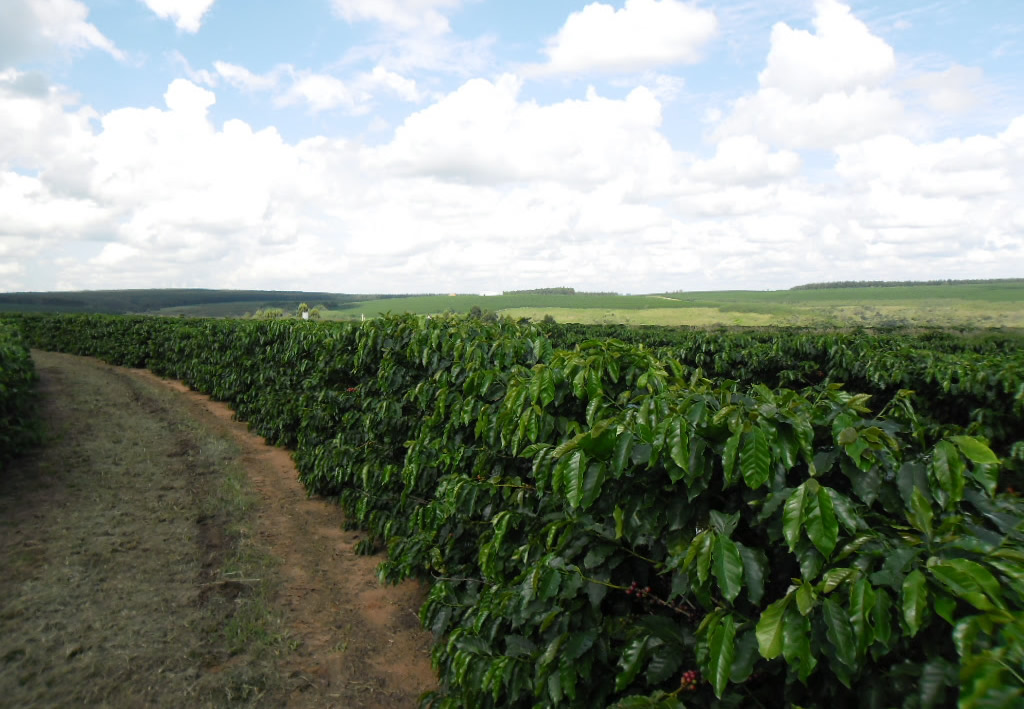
(248, 574)
(657, 316)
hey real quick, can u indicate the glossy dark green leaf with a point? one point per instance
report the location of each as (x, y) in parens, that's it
(631, 661)
(847, 436)
(574, 478)
(839, 632)
(755, 458)
(746, 656)
(987, 476)
(721, 654)
(845, 511)
(970, 581)
(820, 521)
(881, 617)
(621, 456)
(703, 556)
(723, 523)
(975, 450)
(754, 565)
(912, 474)
(666, 659)
(555, 688)
(915, 600)
(810, 559)
(679, 447)
(728, 567)
(793, 514)
(920, 512)
(729, 458)
(805, 598)
(865, 483)
(592, 482)
(796, 646)
(947, 470)
(770, 628)
(862, 603)
(578, 643)
(833, 578)
(785, 447)
(546, 387)
(945, 607)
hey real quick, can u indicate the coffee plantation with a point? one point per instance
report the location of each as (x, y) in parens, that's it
(684, 519)
(18, 429)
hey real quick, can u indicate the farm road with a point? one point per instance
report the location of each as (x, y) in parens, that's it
(124, 568)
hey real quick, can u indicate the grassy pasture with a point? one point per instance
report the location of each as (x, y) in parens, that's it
(958, 305)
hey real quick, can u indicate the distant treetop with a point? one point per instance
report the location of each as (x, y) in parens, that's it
(890, 284)
(556, 291)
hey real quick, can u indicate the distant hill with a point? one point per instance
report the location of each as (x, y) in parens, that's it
(961, 304)
(174, 301)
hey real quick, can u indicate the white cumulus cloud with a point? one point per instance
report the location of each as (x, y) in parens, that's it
(426, 16)
(823, 89)
(643, 34)
(841, 55)
(744, 160)
(322, 92)
(187, 15)
(33, 28)
(242, 78)
(484, 133)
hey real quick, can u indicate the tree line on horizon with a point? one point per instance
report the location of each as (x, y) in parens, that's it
(892, 284)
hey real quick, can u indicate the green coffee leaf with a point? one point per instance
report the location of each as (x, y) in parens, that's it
(793, 514)
(592, 482)
(920, 512)
(722, 652)
(621, 456)
(862, 603)
(754, 565)
(975, 450)
(839, 632)
(729, 455)
(770, 628)
(755, 458)
(796, 646)
(970, 581)
(805, 598)
(631, 661)
(947, 471)
(915, 600)
(679, 448)
(574, 478)
(820, 521)
(728, 567)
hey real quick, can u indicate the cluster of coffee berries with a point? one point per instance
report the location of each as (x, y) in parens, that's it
(634, 588)
(688, 681)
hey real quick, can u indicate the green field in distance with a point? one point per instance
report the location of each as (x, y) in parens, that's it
(973, 305)
(997, 303)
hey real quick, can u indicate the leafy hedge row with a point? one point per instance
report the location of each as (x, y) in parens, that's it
(975, 382)
(607, 526)
(18, 427)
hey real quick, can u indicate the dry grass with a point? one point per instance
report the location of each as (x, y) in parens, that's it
(129, 575)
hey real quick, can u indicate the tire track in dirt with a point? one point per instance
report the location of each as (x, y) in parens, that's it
(360, 643)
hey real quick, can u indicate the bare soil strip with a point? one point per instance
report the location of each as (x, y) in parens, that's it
(122, 586)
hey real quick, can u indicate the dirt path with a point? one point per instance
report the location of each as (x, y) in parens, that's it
(127, 569)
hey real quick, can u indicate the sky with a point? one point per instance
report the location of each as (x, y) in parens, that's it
(425, 146)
